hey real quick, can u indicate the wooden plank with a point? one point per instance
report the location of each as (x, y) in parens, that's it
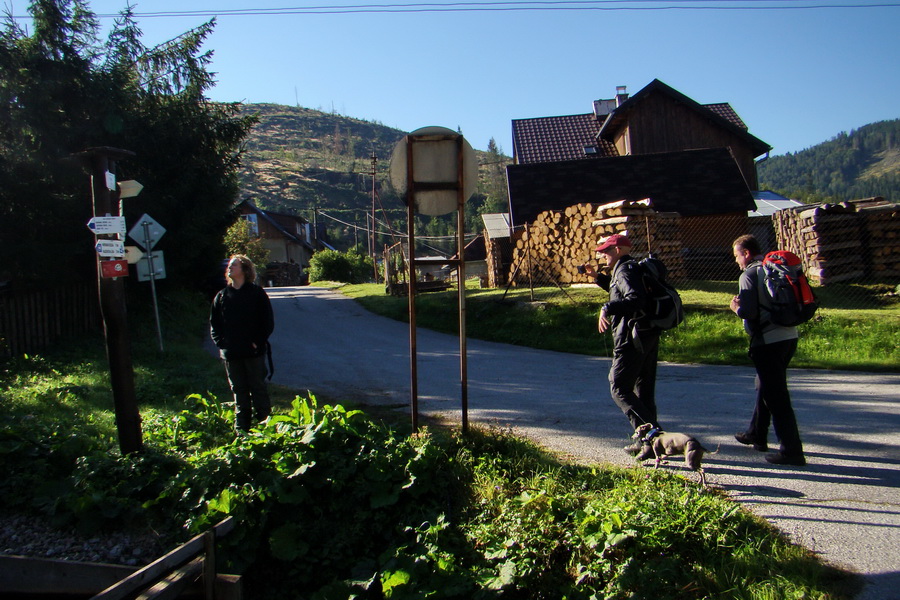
(25, 575)
(172, 585)
(164, 564)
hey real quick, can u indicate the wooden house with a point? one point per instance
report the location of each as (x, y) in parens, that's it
(288, 238)
(692, 159)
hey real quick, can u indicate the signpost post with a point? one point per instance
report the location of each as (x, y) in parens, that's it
(102, 165)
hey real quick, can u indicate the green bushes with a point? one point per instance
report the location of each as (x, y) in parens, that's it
(331, 504)
(346, 267)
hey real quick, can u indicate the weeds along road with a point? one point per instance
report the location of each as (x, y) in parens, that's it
(844, 505)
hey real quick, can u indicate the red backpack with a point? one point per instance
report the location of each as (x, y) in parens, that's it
(786, 297)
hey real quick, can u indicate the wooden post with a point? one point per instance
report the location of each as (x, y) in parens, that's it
(112, 307)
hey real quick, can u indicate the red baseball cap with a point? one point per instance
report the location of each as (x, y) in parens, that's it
(616, 239)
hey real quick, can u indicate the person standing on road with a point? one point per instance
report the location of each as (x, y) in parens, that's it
(632, 375)
(771, 349)
(240, 323)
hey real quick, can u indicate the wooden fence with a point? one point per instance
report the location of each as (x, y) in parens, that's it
(30, 321)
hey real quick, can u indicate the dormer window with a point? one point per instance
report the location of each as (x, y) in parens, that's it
(590, 150)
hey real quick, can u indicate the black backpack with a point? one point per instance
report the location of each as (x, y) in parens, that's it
(785, 295)
(664, 309)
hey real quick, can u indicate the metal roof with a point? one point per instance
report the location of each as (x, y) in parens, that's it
(768, 203)
(496, 225)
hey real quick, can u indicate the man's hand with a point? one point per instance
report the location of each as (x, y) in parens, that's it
(735, 304)
(603, 321)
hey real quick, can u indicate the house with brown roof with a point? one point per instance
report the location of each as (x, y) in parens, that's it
(697, 160)
(288, 238)
(657, 119)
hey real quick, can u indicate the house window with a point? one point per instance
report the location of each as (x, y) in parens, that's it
(254, 224)
(589, 150)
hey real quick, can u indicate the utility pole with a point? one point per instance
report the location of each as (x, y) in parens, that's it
(102, 164)
(374, 261)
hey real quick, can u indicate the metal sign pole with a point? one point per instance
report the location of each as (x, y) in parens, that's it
(411, 230)
(461, 276)
(148, 244)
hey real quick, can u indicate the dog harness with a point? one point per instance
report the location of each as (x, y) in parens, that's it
(650, 435)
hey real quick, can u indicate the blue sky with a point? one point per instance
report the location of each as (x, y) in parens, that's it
(797, 77)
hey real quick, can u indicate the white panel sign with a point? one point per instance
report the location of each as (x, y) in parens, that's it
(107, 225)
(110, 248)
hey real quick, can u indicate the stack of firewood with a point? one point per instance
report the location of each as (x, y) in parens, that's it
(649, 232)
(842, 242)
(558, 242)
(551, 249)
(882, 225)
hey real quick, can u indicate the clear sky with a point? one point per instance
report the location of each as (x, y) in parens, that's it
(796, 76)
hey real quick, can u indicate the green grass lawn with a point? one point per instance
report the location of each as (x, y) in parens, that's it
(857, 328)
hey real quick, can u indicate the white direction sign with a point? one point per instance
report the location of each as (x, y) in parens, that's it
(107, 225)
(146, 232)
(133, 254)
(129, 188)
(110, 248)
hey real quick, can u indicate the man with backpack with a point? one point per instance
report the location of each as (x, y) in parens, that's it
(771, 348)
(632, 375)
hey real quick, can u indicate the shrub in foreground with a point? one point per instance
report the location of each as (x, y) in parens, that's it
(334, 505)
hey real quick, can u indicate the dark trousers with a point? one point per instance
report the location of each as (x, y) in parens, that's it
(632, 379)
(773, 401)
(247, 377)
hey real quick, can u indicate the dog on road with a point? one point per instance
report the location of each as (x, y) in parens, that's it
(659, 444)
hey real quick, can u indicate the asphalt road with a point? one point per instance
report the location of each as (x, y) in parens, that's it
(844, 505)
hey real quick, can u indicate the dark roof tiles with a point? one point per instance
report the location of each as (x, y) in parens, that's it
(546, 139)
(690, 182)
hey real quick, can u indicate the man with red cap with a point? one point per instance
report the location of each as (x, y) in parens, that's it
(632, 375)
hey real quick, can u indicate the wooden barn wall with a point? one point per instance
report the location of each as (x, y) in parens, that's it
(660, 124)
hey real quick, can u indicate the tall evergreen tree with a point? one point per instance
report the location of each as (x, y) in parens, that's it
(62, 91)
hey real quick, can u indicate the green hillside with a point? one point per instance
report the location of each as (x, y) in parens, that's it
(298, 160)
(860, 164)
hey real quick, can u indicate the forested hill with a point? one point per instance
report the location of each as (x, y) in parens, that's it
(298, 159)
(860, 164)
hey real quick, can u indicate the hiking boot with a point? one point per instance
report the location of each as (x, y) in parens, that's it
(634, 448)
(779, 458)
(749, 440)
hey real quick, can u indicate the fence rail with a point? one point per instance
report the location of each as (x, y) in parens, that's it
(33, 320)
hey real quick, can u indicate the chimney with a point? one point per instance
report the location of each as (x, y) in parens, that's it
(603, 107)
(621, 95)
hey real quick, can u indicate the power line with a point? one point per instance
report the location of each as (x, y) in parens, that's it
(513, 6)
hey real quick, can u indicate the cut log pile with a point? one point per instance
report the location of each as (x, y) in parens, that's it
(552, 248)
(843, 242)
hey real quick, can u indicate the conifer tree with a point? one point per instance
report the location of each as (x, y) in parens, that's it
(63, 90)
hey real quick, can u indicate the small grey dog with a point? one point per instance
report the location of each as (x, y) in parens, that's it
(660, 444)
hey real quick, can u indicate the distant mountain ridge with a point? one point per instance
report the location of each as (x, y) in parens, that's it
(860, 164)
(299, 159)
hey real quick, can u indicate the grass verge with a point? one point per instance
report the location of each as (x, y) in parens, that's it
(859, 335)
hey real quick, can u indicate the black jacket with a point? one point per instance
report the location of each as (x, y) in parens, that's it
(240, 318)
(627, 299)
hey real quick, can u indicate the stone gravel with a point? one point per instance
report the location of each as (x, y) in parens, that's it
(34, 537)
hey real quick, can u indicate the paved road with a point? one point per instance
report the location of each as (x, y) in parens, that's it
(843, 505)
